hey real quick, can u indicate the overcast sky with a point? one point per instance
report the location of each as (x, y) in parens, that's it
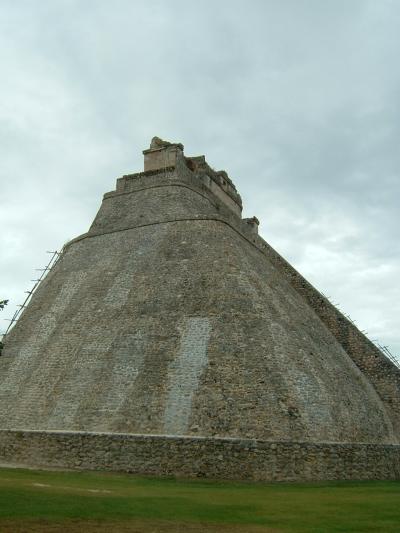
(298, 100)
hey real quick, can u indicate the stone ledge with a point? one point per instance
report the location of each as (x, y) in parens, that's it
(214, 458)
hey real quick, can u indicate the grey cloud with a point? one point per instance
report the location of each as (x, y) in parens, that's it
(297, 100)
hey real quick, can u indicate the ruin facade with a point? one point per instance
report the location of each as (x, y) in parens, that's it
(171, 339)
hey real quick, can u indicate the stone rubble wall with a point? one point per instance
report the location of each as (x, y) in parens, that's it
(191, 457)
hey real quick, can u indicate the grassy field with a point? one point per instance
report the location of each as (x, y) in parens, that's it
(96, 502)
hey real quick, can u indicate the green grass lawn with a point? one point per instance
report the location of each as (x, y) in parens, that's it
(85, 501)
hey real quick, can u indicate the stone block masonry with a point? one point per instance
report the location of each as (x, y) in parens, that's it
(171, 339)
(199, 457)
(184, 375)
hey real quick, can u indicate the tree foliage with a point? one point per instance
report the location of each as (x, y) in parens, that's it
(3, 303)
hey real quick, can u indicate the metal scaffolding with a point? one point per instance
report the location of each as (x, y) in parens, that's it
(44, 271)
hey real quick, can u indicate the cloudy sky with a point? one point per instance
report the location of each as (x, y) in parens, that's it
(297, 99)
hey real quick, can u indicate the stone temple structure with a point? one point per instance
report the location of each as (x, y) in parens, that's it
(171, 339)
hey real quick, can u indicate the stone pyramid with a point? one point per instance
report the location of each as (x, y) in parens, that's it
(172, 325)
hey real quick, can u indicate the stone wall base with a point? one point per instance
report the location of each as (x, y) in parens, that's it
(215, 458)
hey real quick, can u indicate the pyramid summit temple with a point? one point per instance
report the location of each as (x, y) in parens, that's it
(171, 339)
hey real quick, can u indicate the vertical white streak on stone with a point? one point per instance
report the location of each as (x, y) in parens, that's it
(44, 328)
(184, 374)
(127, 360)
(82, 375)
(119, 291)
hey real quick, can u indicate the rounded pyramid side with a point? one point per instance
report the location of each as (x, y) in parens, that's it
(175, 324)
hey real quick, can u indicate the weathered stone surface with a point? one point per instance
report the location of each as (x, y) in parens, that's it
(172, 316)
(216, 458)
